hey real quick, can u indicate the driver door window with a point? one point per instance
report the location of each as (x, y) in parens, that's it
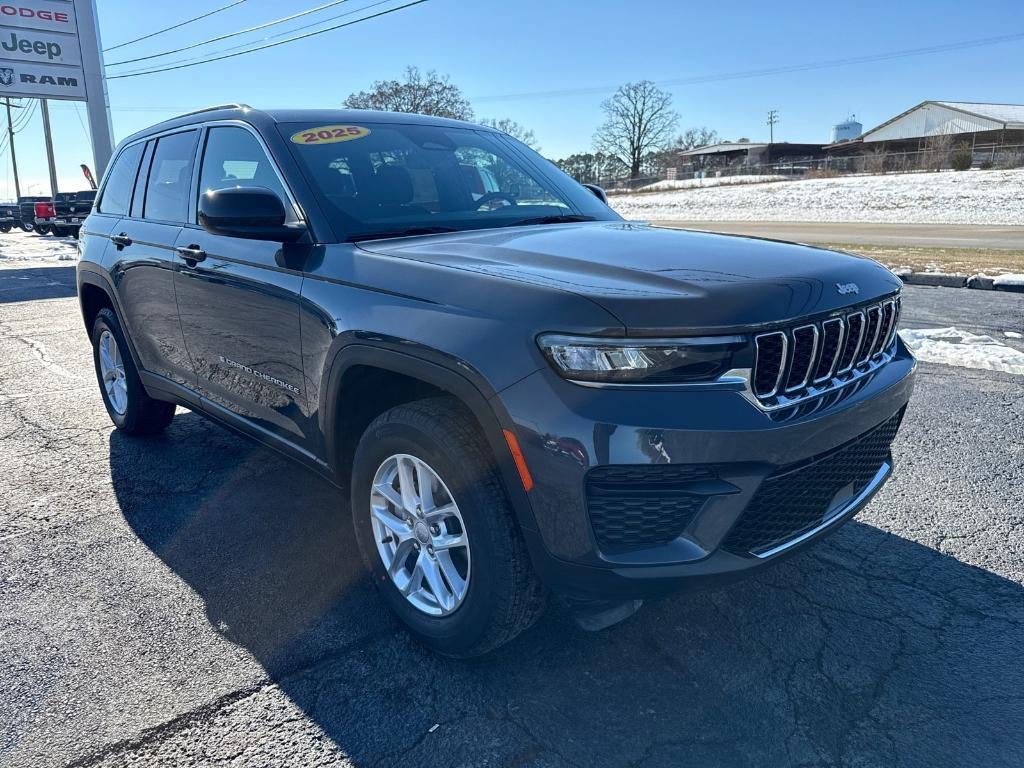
(234, 158)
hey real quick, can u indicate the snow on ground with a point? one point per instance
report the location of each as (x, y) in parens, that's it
(1009, 279)
(949, 197)
(708, 181)
(18, 246)
(961, 348)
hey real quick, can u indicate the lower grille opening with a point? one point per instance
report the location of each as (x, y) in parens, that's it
(795, 500)
(639, 506)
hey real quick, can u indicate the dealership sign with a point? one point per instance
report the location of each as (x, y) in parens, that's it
(50, 49)
(40, 55)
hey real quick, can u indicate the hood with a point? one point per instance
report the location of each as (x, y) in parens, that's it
(658, 280)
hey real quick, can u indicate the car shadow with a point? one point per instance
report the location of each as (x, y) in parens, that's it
(868, 650)
(29, 283)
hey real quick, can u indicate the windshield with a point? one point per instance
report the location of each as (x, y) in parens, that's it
(387, 180)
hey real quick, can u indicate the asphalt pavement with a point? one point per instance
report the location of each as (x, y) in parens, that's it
(975, 236)
(193, 599)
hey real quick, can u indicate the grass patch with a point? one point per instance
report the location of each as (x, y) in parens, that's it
(964, 261)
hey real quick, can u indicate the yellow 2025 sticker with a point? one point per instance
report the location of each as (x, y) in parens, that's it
(329, 134)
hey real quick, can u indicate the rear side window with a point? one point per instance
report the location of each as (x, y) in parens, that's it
(117, 192)
(170, 177)
(234, 158)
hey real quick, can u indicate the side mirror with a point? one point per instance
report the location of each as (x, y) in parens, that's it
(254, 213)
(599, 193)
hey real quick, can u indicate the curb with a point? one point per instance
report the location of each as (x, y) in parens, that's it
(942, 280)
(935, 279)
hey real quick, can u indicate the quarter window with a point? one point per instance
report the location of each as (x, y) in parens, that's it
(117, 192)
(234, 158)
(170, 177)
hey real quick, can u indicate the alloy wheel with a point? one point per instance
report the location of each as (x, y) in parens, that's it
(112, 373)
(420, 535)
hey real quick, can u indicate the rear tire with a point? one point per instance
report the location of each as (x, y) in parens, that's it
(42, 229)
(503, 596)
(5, 228)
(128, 404)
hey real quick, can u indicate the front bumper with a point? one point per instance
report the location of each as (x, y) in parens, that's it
(566, 431)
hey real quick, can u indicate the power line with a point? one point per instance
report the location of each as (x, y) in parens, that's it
(269, 45)
(283, 19)
(751, 73)
(261, 40)
(175, 26)
(249, 43)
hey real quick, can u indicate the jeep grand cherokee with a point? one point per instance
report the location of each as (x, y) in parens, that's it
(523, 393)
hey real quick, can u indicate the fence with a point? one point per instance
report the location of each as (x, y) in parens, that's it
(879, 161)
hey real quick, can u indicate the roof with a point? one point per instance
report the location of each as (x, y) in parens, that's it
(229, 111)
(931, 118)
(730, 146)
(1000, 113)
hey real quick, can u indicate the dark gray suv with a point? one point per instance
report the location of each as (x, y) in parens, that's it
(521, 392)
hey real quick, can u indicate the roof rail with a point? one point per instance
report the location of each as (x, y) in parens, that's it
(214, 108)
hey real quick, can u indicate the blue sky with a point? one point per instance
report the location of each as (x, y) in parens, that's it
(492, 49)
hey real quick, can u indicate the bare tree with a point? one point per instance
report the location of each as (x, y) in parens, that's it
(638, 120)
(513, 129)
(876, 161)
(425, 94)
(589, 168)
(692, 138)
(936, 152)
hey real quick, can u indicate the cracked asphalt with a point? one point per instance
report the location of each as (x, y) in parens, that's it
(194, 600)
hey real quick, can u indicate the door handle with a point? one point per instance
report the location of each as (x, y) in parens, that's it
(192, 253)
(121, 240)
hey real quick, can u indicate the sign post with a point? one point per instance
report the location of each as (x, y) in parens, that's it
(50, 49)
(97, 101)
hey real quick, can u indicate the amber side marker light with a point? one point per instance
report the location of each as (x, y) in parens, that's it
(517, 457)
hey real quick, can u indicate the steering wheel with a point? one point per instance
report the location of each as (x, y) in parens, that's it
(491, 196)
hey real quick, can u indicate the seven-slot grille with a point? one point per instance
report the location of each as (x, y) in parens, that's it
(808, 358)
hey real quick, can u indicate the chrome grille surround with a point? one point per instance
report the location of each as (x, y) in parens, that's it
(840, 328)
(761, 341)
(864, 349)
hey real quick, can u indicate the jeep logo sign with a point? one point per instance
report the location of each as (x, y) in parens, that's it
(30, 45)
(40, 55)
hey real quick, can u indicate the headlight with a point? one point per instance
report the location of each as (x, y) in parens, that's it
(641, 361)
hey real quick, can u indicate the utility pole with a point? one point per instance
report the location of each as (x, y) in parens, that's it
(773, 118)
(49, 147)
(14, 159)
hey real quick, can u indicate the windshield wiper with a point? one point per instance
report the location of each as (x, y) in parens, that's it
(566, 218)
(399, 233)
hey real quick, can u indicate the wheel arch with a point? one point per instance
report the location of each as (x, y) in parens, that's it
(96, 292)
(345, 381)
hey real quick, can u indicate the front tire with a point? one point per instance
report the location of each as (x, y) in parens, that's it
(460, 578)
(128, 404)
(42, 229)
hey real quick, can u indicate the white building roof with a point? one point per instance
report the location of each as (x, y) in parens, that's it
(729, 146)
(936, 118)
